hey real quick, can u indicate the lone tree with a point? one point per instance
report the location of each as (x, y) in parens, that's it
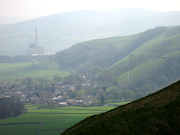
(102, 100)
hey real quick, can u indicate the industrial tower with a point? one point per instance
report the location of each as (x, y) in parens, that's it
(34, 48)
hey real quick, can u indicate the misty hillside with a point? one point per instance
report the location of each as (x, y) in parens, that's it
(60, 31)
(110, 53)
(156, 114)
(130, 62)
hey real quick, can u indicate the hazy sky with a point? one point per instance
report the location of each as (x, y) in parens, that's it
(47, 7)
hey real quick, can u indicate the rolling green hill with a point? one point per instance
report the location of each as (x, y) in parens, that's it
(130, 62)
(121, 63)
(156, 114)
(161, 46)
(110, 52)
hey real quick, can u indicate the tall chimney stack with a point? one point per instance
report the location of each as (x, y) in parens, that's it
(36, 36)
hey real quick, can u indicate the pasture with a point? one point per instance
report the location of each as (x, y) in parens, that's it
(10, 71)
(120, 103)
(49, 120)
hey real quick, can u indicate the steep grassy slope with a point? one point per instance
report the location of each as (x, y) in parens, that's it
(156, 48)
(100, 52)
(131, 62)
(158, 113)
(121, 53)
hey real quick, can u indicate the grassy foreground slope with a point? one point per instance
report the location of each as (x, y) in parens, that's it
(156, 114)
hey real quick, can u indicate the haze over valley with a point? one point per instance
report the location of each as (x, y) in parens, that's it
(91, 71)
(60, 31)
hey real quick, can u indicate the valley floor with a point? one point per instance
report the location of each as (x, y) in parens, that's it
(48, 120)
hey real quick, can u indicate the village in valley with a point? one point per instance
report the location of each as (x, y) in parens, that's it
(58, 91)
(69, 91)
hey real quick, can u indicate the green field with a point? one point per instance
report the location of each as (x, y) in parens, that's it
(54, 119)
(120, 103)
(9, 71)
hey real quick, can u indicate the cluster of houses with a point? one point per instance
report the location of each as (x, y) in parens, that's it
(60, 96)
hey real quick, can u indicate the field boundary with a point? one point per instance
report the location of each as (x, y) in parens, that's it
(21, 123)
(38, 130)
(63, 113)
(45, 125)
(53, 129)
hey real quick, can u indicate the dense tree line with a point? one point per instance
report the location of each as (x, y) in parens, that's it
(174, 31)
(23, 58)
(10, 108)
